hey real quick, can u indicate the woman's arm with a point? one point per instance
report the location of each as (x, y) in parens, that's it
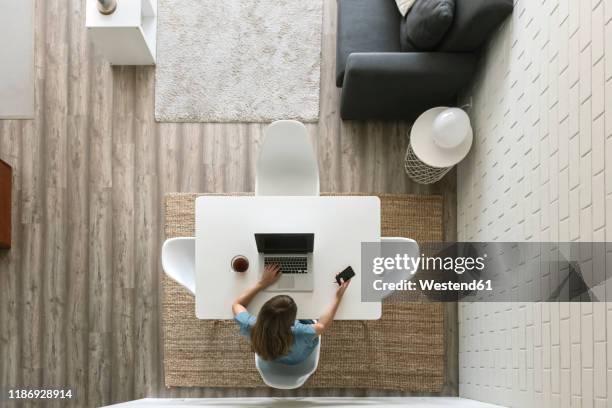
(270, 275)
(327, 318)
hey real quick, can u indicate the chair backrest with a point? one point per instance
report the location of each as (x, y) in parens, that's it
(288, 377)
(178, 261)
(287, 165)
(398, 275)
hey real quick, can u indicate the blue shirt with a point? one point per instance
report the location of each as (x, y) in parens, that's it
(305, 338)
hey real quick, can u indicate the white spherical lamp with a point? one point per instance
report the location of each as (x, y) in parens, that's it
(439, 139)
(450, 128)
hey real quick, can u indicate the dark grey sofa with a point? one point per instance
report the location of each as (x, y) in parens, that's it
(380, 82)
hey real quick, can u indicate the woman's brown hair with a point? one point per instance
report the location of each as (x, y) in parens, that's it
(271, 336)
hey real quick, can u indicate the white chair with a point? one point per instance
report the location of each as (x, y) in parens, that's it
(288, 377)
(399, 275)
(287, 165)
(178, 261)
(399, 239)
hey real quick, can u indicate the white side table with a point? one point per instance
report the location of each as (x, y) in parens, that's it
(128, 35)
(439, 139)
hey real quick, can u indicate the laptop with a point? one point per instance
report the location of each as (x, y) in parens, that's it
(293, 252)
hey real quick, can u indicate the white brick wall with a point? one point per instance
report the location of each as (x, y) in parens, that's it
(542, 117)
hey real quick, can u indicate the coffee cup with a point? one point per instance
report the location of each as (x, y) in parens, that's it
(240, 263)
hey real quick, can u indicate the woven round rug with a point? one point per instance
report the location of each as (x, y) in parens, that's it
(402, 351)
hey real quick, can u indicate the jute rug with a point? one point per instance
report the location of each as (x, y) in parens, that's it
(238, 61)
(403, 351)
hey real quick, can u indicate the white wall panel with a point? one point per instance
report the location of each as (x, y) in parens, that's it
(540, 169)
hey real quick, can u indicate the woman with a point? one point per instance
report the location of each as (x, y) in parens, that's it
(275, 334)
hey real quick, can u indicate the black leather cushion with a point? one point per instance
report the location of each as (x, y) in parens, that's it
(473, 24)
(365, 26)
(426, 24)
(402, 85)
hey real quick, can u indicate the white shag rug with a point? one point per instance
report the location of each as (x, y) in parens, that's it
(238, 60)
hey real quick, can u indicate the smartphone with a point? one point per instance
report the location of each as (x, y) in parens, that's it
(345, 275)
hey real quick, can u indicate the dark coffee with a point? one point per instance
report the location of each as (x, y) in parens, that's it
(240, 263)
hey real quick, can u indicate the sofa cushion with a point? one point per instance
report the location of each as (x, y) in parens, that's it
(474, 22)
(365, 26)
(426, 24)
(402, 85)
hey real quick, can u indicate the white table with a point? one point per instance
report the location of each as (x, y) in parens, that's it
(225, 227)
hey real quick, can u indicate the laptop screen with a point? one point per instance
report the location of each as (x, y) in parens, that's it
(284, 243)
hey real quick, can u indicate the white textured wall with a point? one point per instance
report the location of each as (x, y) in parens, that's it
(542, 116)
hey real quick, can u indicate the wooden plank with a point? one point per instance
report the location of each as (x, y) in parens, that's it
(191, 158)
(328, 133)
(54, 196)
(169, 155)
(122, 382)
(77, 326)
(395, 151)
(100, 255)
(214, 166)
(237, 154)
(451, 349)
(255, 136)
(31, 307)
(31, 210)
(147, 208)
(353, 177)
(100, 295)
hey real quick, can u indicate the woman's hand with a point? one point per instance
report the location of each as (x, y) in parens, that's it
(342, 288)
(270, 275)
(327, 318)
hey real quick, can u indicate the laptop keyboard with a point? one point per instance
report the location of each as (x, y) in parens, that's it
(289, 264)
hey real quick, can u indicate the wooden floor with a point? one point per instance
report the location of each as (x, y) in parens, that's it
(79, 291)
